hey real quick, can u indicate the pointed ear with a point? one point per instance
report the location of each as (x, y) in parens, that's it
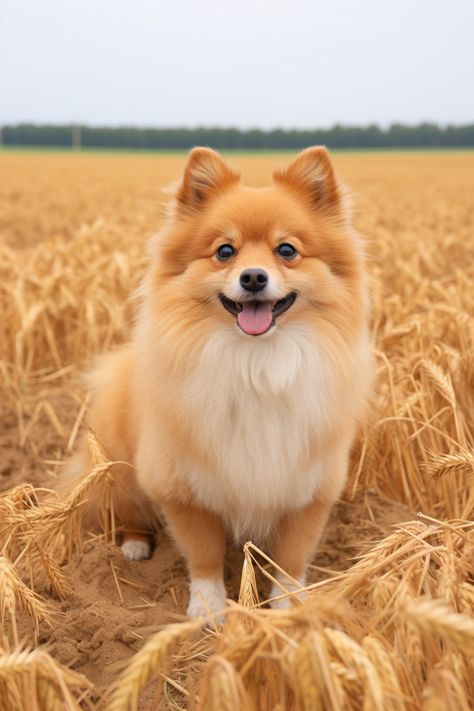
(205, 174)
(312, 175)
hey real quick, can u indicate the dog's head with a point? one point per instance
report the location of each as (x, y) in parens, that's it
(257, 259)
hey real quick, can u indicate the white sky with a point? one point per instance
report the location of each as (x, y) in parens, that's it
(290, 63)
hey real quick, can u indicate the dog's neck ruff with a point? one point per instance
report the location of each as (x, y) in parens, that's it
(264, 365)
(257, 405)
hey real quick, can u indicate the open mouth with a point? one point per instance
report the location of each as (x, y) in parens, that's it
(257, 317)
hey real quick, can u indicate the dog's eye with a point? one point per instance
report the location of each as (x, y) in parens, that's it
(286, 250)
(225, 251)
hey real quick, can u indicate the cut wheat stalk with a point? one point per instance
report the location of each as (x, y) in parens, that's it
(436, 617)
(13, 593)
(31, 677)
(461, 462)
(149, 661)
(248, 593)
(223, 688)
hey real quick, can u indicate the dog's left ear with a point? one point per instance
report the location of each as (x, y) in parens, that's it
(312, 176)
(205, 174)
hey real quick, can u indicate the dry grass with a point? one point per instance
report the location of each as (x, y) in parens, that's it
(32, 679)
(461, 462)
(38, 534)
(150, 658)
(393, 631)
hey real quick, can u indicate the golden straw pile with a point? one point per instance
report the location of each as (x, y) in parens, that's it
(393, 629)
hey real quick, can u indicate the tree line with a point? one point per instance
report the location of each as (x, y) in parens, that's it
(425, 135)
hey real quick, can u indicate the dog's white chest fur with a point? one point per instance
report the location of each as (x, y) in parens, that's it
(257, 405)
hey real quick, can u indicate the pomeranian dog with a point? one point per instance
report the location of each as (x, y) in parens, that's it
(238, 397)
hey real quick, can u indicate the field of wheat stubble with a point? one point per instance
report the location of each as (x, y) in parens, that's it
(389, 619)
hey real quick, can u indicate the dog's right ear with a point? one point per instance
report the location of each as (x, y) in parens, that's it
(206, 173)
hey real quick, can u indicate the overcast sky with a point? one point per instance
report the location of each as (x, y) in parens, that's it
(289, 63)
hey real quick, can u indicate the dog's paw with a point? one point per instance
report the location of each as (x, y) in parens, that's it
(283, 603)
(207, 597)
(136, 550)
(290, 590)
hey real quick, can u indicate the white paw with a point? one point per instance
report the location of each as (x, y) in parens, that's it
(284, 603)
(207, 597)
(289, 589)
(136, 550)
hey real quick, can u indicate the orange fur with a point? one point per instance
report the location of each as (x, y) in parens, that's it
(230, 433)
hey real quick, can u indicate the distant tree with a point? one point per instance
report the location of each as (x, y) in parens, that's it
(425, 135)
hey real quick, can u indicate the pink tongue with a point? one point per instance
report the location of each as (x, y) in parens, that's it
(255, 317)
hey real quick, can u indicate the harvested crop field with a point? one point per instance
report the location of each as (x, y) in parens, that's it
(389, 619)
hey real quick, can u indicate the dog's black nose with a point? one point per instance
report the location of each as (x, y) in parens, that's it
(254, 279)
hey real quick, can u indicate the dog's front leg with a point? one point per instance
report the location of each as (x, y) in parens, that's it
(298, 532)
(293, 546)
(200, 536)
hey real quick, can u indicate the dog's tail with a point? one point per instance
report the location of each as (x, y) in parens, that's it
(107, 492)
(101, 473)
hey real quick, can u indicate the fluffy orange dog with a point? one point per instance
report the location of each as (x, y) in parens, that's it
(239, 395)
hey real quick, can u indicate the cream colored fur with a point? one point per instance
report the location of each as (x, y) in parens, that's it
(256, 406)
